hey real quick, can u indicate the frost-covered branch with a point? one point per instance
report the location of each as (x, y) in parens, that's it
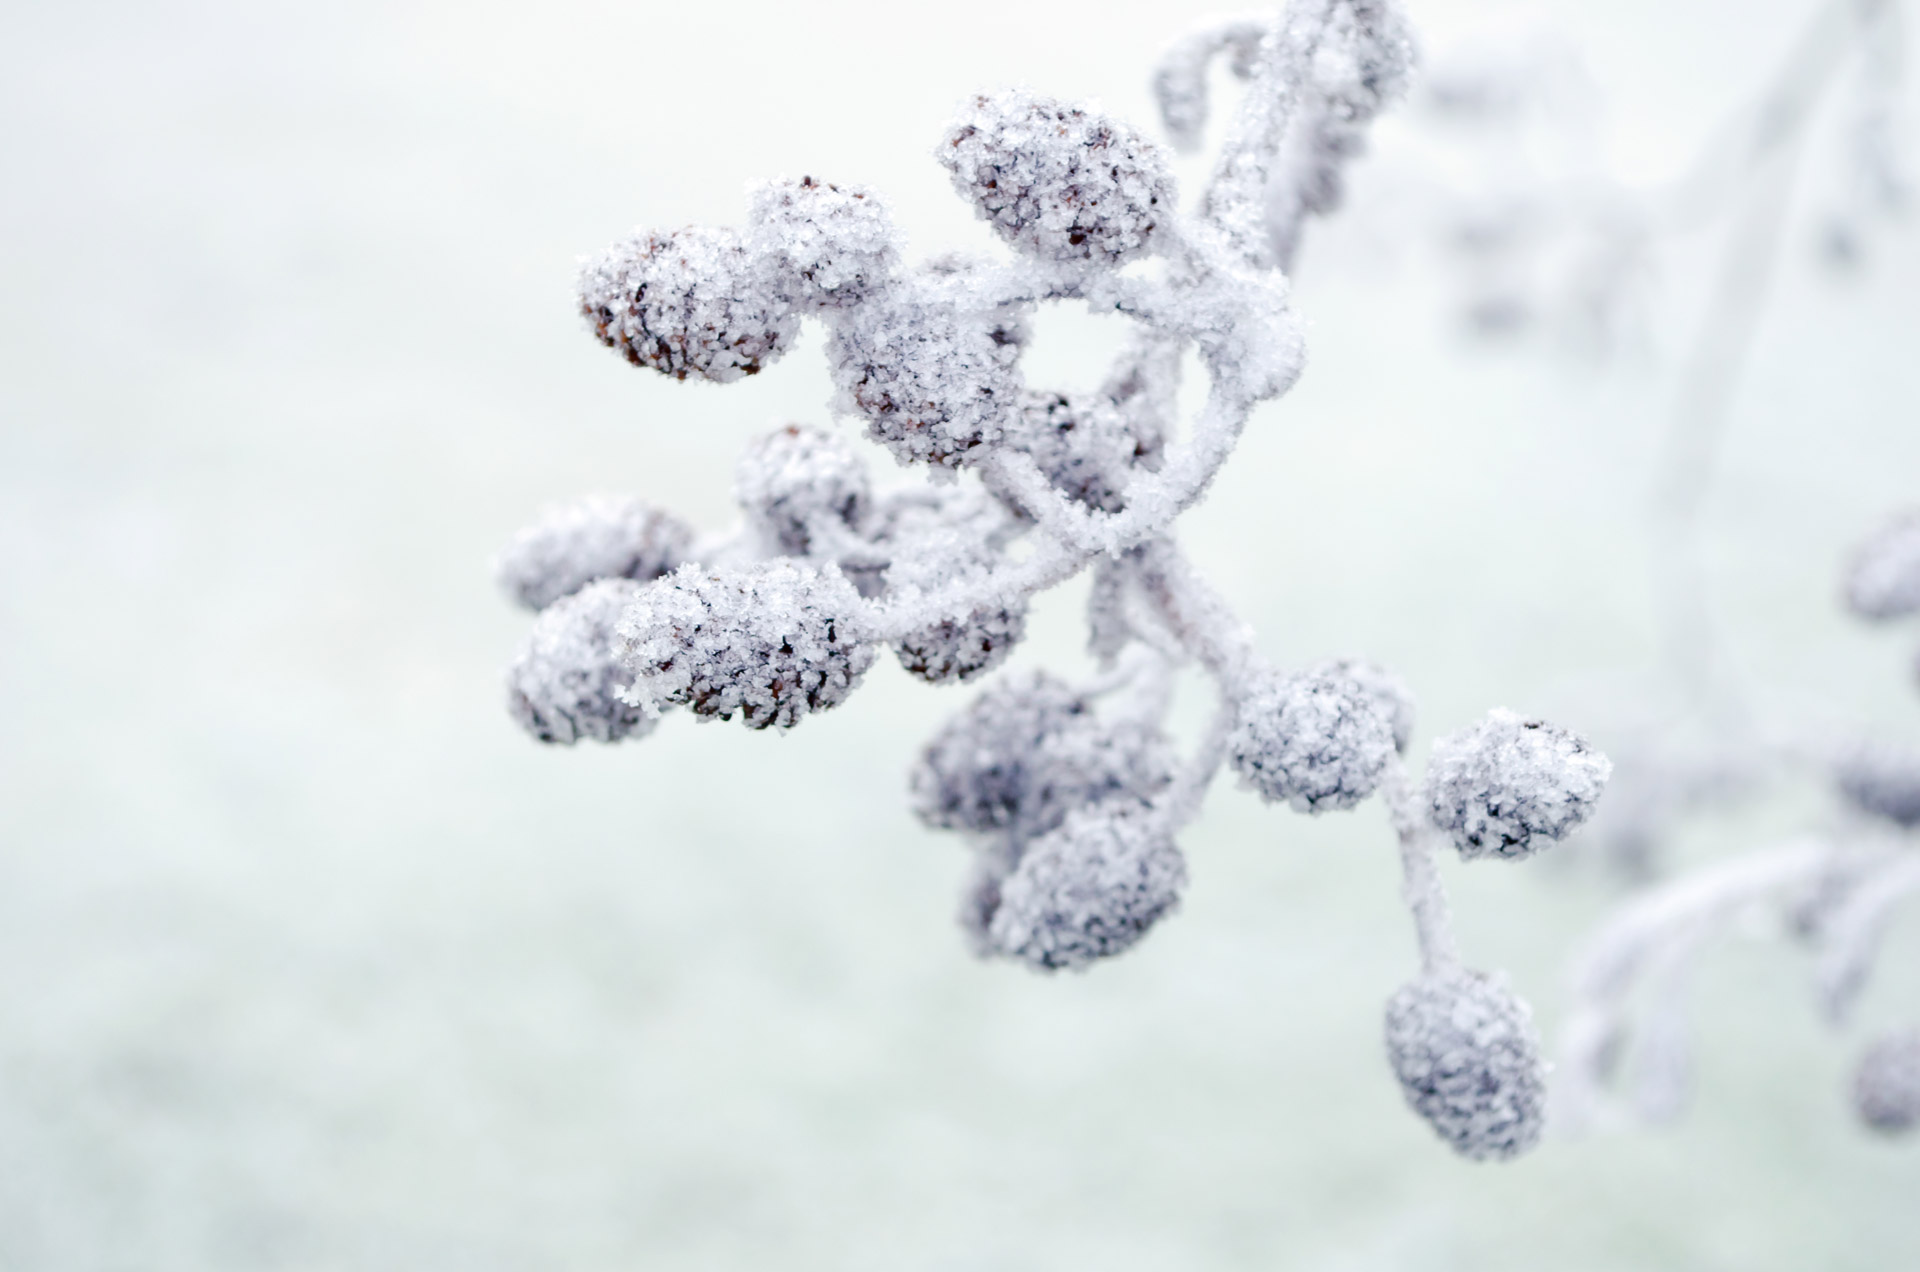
(1070, 798)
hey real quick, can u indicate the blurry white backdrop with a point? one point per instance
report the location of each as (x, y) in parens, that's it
(310, 960)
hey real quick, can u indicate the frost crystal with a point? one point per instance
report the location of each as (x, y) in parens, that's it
(690, 302)
(567, 683)
(1318, 740)
(774, 643)
(1468, 1060)
(1508, 786)
(1057, 180)
(595, 537)
(835, 243)
(1886, 1085)
(1883, 780)
(1087, 890)
(1884, 579)
(796, 482)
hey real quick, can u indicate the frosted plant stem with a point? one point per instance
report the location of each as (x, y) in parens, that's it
(1766, 139)
(1425, 897)
(1235, 200)
(1206, 627)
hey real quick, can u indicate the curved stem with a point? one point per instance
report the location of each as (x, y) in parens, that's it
(1426, 898)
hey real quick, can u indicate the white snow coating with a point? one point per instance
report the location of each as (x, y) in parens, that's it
(1883, 580)
(1390, 693)
(1026, 752)
(1509, 786)
(957, 650)
(1072, 813)
(835, 243)
(1316, 740)
(567, 683)
(1087, 890)
(926, 373)
(1468, 1059)
(774, 643)
(797, 484)
(1886, 1083)
(593, 537)
(692, 302)
(1058, 180)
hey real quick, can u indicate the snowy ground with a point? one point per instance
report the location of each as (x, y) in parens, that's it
(308, 960)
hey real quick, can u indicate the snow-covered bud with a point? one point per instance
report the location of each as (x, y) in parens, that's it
(596, 537)
(773, 642)
(1083, 444)
(1026, 752)
(1883, 580)
(689, 302)
(1059, 181)
(567, 682)
(1364, 63)
(1886, 1084)
(795, 479)
(1317, 740)
(1509, 786)
(1389, 692)
(835, 243)
(1087, 890)
(930, 379)
(1883, 780)
(1468, 1059)
(954, 651)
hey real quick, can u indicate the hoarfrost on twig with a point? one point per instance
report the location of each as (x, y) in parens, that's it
(1069, 797)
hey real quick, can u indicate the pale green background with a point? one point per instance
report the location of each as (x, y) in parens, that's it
(308, 960)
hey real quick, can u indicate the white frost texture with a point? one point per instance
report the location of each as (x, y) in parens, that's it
(693, 302)
(797, 484)
(1087, 890)
(1318, 740)
(1509, 786)
(1069, 796)
(1028, 751)
(834, 244)
(594, 537)
(567, 684)
(1468, 1060)
(1056, 180)
(773, 643)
